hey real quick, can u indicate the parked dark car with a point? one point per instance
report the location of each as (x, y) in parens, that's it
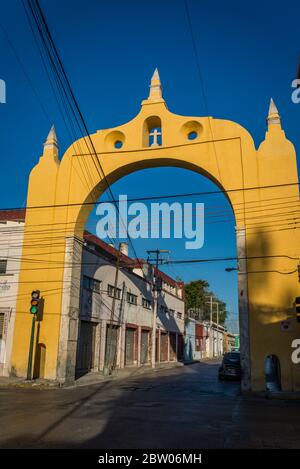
(231, 366)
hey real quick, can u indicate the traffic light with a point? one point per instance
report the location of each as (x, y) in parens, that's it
(35, 302)
(298, 308)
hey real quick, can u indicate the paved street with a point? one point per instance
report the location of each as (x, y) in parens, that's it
(182, 407)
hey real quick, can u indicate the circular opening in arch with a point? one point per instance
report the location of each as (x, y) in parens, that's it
(192, 135)
(191, 130)
(118, 144)
(114, 140)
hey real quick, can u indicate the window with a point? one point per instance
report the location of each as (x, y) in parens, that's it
(1, 325)
(171, 312)
(192, 135)
(132, 299)
(114, 292)
(152, 132)
(118, 144)
(146, 303)
(179, 315)
(3, 266)
(91, 284)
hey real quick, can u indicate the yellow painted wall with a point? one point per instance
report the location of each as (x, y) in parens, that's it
(225, 153)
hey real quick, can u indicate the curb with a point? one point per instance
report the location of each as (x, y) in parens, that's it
(100, 378)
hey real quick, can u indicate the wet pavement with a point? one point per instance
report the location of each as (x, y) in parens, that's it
(182, 407)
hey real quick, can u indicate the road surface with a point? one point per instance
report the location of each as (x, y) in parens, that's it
(182, 407)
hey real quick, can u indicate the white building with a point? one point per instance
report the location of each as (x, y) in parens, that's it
(123, 337)
(120, 339)
(215, 340)
(11, 240)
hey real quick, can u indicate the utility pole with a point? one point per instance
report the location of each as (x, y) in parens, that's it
(212, 334)
(108, 362)
(156, 290)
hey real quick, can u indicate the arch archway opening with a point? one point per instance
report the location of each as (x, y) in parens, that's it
(272, 373)
(220, 239)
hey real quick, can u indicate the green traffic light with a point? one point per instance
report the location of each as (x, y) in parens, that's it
(34, 309)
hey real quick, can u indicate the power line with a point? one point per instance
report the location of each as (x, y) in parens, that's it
(48, 40)
(285, 218)
(166, 196)
(60, 88)
(197, 60)
(133, 262)
(24, 72)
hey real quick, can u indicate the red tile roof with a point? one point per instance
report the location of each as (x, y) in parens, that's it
(19, 215)
(91, 238)
(131, 263)
(13, 215)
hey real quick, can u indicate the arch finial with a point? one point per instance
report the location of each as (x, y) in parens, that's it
(51, 139)
(155, 87)
(273, 115)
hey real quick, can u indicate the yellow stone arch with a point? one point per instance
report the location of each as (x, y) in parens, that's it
(57, 209)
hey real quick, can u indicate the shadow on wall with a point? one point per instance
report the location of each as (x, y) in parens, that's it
(272, 288)
(272, 373)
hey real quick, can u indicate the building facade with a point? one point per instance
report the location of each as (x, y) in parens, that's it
(196, 340)
(229, 342)
(266, 299)
(120, 336)
(206, 340)
(117, 336)
(11, 241)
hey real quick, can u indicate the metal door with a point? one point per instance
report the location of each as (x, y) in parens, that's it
(172, 346)
(86, 345)
(144, 347)
(111, 345)
(129, 341)
(163, 347)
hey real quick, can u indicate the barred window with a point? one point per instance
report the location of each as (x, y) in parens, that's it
(132, 299)
(114, 292)
(179, 315)
(146, 303)
(171, 312)
(91, 284)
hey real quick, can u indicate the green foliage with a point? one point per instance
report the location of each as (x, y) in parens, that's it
(197, 298)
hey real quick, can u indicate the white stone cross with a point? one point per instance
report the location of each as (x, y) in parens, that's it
(155, 134)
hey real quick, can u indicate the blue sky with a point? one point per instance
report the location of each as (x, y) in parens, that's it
(247, 52)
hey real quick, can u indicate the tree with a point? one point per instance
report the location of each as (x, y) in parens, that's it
(197, 306)
(195, 293)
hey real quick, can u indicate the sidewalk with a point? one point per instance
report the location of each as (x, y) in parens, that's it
(90, 378)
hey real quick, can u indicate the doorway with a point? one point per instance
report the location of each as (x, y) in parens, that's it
(172, 346)
(40, 361)
(144, 347)
(86, 348)
(163, 347)
(111, 345)
(130, 341)
(272, 373)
